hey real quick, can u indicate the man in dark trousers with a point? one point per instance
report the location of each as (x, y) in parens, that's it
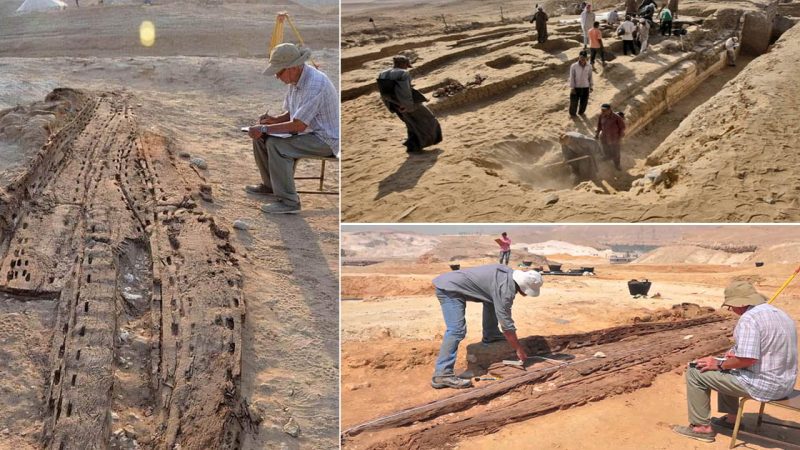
(580, 85)
(666, 22)
(397, 94)
(540, 18)
(494, 285)
(610, 130)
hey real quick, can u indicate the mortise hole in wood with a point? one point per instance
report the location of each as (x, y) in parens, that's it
(82, 331)
(57, 376)
(231, 347)
(229, 322)
(73, 379)
(78, 355)
(69, 409)
(86, 307)
(174, 329)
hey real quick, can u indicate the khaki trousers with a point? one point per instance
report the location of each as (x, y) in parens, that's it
(698, 394)
(276, 158)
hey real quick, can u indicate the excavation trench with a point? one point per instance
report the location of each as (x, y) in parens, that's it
(653, 110)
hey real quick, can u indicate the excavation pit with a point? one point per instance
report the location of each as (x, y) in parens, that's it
(503, 62)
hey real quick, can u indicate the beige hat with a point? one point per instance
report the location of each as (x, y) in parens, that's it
(742, 293)
(529, 281)
(284, 56)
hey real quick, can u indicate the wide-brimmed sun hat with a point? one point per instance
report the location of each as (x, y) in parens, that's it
(529, 281)
(284, 56)
(742, 293)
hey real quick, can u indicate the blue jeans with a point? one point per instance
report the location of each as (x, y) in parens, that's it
(505, 256)
(454, 307)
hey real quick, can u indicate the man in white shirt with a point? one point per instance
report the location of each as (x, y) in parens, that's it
(625, 31)
(761, 365)
(311, 118)
(644, 34)
(730, 49)
(587, 21)
(580, 85)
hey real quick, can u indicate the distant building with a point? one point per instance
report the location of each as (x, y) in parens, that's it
(623, 258)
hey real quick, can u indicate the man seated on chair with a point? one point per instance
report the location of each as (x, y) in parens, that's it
(311, 117)
(761, 365)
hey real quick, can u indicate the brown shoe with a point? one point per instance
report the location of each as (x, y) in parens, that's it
(258, 189)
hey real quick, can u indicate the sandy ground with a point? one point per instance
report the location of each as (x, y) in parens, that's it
(198, 84)
(499, 158)
(392, 340)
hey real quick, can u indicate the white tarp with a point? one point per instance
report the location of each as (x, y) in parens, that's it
(40, 5)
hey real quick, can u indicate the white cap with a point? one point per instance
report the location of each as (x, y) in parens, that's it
(529, 281)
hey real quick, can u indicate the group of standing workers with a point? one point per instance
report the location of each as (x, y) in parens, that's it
(424, 130)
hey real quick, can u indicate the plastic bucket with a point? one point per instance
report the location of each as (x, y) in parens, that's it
(636, 287)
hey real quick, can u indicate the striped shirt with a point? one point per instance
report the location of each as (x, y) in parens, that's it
(580, 76)
(767, 334)
(314, 101)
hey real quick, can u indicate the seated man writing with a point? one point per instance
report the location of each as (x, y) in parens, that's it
(311, 119)
(761, 365)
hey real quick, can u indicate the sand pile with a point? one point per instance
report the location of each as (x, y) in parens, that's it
(388, 245)
(562, 248)
(778, 254)
(688, 254)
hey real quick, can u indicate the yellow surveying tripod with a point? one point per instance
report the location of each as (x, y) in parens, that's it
(277, 34)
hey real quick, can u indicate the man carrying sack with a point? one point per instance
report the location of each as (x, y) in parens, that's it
(400, 98)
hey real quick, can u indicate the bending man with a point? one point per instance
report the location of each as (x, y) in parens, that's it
(494, 285)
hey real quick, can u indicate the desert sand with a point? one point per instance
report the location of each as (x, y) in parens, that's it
(705, 142)
(392, 327)
(271, 361)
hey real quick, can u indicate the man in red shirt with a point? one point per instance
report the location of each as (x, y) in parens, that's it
(596, 44)
(610, 130)
(505, 248)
